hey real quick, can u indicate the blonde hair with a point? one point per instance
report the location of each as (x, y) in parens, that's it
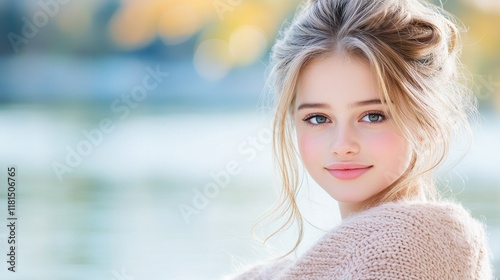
(412, 47)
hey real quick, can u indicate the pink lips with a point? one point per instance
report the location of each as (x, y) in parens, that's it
(347, 171)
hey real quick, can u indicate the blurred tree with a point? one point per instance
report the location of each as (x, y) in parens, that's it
(481, 42)
(231, 32)
(481, 52)
(217, 35)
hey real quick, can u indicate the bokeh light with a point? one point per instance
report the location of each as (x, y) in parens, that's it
(247, 44)
(210, 59)
(243, 30)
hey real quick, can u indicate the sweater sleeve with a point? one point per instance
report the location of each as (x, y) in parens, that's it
(422, 242)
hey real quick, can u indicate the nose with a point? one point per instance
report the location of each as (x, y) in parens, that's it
(344, 142)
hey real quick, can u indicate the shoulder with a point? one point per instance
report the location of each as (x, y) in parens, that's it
(403, 240)
(413, 220)
(443, 214)
(420, 238)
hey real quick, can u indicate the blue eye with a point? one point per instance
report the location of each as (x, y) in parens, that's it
(316, 120)
(373, 118)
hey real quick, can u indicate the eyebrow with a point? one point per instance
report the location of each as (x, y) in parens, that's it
(366, 102)
(313, 106)
(326, 106)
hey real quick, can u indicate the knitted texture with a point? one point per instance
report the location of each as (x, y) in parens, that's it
(402, 240)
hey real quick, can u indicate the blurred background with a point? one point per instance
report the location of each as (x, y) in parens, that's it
(142, 141)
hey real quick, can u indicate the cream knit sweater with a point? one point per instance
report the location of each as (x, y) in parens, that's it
(403, 240)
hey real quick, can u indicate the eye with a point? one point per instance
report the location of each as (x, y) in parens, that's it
(316, 119)
(374, 117)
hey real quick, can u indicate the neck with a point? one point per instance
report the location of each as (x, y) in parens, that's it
(348, 209)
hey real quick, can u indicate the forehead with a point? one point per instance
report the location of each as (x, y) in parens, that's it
(336, 79)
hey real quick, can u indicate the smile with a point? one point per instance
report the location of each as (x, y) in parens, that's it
(347, 171)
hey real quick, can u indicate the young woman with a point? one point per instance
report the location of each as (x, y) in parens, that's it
(368, 95)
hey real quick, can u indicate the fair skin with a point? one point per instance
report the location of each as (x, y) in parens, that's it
(347, 142)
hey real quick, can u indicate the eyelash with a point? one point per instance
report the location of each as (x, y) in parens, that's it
(311, 116)
(314, 115)
(382, 115)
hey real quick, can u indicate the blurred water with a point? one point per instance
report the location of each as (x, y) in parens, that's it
(117, 213)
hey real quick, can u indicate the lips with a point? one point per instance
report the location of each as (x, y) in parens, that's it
(347, 171)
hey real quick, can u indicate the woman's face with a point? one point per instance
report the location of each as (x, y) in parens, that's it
(347, 142)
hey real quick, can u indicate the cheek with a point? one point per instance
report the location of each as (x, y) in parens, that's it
(390, 148)
(309, 147)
